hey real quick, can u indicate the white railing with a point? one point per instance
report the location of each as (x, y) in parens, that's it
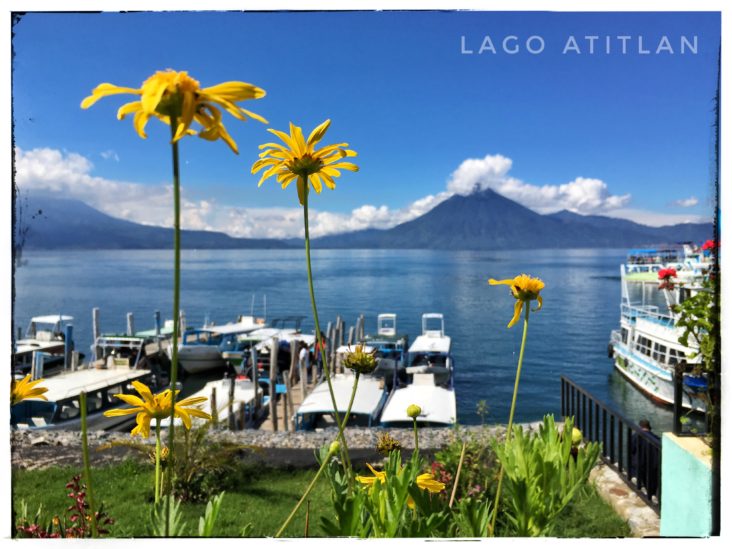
(650, 312)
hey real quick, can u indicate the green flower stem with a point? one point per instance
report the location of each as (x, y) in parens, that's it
(509, 429)
(319, 339)
(87, 468)
(176, 309)
(306, 493)
(157, 460)
(342, 425)
(416, 436)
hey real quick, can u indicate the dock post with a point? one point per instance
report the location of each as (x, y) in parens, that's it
(232, 418)
(37, 365)
(68, 345)
(181, 322)
(288, 406)
(273, 383)
(20, 333)
(214, 408)
(242, 416)
(351, 333)
(360, 332)
(96, 332)
(157, 324)
(255, 381)
(294, 360)
(74, 360)
(130, 324)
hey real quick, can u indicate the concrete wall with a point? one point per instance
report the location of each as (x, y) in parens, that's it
(686, 487)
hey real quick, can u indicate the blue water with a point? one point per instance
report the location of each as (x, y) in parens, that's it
(569, 336)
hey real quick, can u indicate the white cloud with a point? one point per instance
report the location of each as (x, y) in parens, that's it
(687, 202)
(109, 155)
(70, 174)
(582, 195)
(656, 219)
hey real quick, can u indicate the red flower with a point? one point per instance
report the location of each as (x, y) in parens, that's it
(709, 245)
(665, 274)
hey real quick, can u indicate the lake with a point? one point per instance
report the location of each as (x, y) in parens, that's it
(569, 336)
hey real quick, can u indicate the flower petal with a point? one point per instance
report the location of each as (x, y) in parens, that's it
(516, 312)
(103, 90)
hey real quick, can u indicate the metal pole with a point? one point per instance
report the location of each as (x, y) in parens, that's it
(96, 332)
(678, 396)
(68, 345)
(130, 324)
(157, 324)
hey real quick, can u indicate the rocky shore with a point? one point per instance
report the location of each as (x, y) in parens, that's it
(40, 449)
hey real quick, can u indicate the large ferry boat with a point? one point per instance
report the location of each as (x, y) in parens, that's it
(646, 349)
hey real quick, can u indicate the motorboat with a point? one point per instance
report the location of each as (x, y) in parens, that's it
(430, 377)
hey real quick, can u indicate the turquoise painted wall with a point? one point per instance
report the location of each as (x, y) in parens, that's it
(686, 489)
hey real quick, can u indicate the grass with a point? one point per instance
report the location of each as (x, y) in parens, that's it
(260, 496)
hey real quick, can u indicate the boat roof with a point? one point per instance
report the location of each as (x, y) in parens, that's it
(431, 344)
(247, 324)
(51, 319)
(70, 384)
(437, 403)
(346, 349)
(366, 402)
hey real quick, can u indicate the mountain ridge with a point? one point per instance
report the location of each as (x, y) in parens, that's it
(484, 220)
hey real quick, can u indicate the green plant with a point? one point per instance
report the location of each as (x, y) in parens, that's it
(481, 408)
(697, 316)
(541, 476)
(208, 520)
(480, 467)
(166, 519)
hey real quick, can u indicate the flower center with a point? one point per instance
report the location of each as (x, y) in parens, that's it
(305, 165)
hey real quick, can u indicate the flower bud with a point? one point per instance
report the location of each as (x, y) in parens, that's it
(335, 447)
(414, 411)
(576, 436)
(360, 361)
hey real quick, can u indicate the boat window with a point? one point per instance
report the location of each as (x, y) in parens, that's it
(659, 352)
(68, 410)
(624, 334)
(94, 401)
(643, 345)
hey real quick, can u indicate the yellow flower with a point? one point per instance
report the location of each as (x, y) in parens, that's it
(524, 288)
(426, 481)
(369, 481)
(26, 389)
(156, 407)
(299, 160)
(170, 95)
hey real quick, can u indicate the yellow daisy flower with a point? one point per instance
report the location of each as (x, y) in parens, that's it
(426, 481)
(26, 389)
(369, 481)
(524, 288)
(156, 407)
(300, 160)
(170, 95)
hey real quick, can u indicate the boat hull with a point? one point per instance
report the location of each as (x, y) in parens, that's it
(655, 382)
(195, 359)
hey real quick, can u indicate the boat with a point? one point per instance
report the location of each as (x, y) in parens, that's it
(62, 409)
(201, 349)
(646, 349)
(316, 411)
(390, 350)
(429, 382)
(241, 399)
(45, 334)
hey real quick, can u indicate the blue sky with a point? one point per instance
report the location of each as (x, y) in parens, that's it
(626, 135)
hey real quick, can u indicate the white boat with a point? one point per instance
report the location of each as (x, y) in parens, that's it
(391, 349)
(243, 397)
(62, 409)
(646, 348)
(430, 383)
(201, 350)
(46, 334)
(316, 410)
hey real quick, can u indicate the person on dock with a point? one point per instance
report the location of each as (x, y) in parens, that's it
(644, 459)
(319, 354)
(304, 358)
